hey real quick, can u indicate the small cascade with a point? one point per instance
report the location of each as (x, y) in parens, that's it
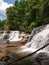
(14, 36)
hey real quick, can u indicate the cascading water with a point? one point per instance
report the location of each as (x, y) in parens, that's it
(14, 36)
(39, 37)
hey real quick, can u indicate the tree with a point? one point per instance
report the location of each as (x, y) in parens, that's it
(28, 14)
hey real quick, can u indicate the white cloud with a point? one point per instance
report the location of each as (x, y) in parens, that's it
(3, 7)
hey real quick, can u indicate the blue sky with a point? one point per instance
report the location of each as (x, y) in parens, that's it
(10, 1)
(4, 4)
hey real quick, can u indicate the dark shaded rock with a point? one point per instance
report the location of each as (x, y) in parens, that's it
(5, 58)
(41, 58)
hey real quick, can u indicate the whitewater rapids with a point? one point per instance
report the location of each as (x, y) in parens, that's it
(39, 37)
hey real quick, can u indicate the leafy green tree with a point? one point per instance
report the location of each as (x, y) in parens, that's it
(28, 14)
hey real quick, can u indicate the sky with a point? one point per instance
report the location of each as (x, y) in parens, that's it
(4, 4)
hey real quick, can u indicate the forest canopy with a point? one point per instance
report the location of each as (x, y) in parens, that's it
(26, 15)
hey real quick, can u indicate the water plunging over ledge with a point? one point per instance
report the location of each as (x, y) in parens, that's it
(39, 37)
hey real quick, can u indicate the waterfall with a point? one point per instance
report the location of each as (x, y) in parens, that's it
(39, 37)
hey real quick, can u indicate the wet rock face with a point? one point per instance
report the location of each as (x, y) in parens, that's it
(41, 59)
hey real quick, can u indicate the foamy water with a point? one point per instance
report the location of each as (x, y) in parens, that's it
(38, 40)
(39, 37)
(14, 36)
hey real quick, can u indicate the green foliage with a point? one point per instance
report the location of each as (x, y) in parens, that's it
(26, 15)
(32, 25)
(4, 24)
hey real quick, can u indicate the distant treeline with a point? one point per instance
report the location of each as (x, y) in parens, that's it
(26, 15)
